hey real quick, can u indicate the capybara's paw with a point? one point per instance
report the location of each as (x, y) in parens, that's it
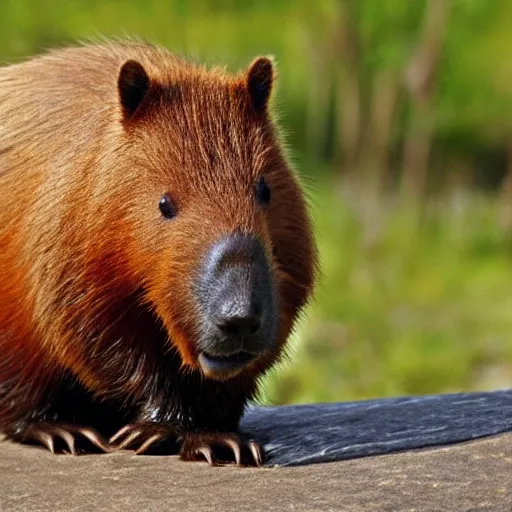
(220, 448)
(141, 436)
(217, 448)
(63, 438)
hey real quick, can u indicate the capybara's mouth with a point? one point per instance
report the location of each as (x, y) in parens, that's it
(224, 367)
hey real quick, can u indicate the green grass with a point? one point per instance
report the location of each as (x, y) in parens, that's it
(404, 306)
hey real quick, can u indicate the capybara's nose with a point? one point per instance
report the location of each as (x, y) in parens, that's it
(236, 298)
(240, 324)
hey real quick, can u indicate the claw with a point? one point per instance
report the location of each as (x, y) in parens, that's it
(153, 439)
(207, 453)
(68, 438)
(256, 452)
(119, 434)
(47, 440)
(139, 437)
(48, 433)
(129, 440)
(95, 438)
(236, 450)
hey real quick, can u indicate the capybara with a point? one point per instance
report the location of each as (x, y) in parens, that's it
(155, 251)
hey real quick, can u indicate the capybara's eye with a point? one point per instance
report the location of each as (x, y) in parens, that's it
(262, 192)
(167, 207)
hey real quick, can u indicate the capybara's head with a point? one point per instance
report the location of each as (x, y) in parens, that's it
(222, 244)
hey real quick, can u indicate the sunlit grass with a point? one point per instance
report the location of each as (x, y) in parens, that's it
(405, 306)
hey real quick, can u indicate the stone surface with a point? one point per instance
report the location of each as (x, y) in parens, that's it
(306, 434)
(460, 477)
(475, 476)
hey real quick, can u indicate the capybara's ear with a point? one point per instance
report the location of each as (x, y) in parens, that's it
(260, 78)
(133, 85)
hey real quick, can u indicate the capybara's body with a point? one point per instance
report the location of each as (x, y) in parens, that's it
(155, 248)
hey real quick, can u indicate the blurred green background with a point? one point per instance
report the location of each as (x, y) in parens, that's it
(398, 117)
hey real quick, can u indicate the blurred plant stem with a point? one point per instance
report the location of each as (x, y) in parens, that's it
(506, 192)
(420, 80)
(349, 112)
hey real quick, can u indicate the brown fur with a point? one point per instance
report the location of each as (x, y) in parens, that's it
(94, 285)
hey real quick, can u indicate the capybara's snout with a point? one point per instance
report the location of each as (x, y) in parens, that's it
(237, 305)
